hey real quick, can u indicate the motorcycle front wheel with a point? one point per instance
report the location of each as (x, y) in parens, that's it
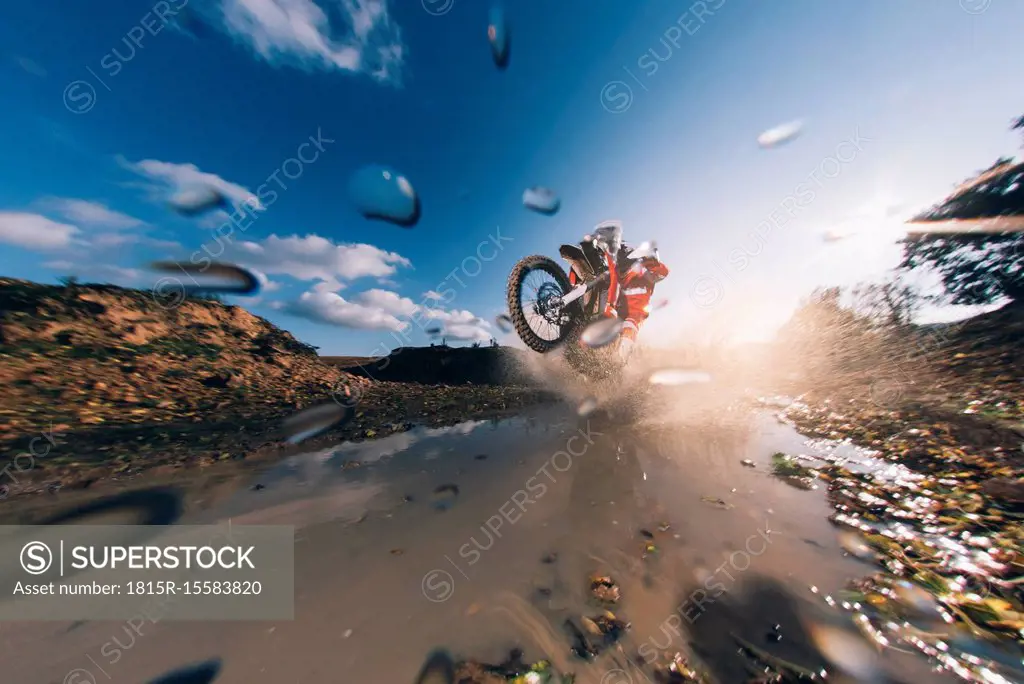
(534, 288)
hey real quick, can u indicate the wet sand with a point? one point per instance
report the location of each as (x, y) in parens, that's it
(383, 576)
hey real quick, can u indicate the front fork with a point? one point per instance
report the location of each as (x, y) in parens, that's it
(610, 308)
(580, 289)
(624, 345)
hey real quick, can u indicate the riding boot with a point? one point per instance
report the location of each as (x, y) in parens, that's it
(625, 349)
(627, 338)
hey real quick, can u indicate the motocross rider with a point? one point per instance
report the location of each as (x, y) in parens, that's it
(639, 271)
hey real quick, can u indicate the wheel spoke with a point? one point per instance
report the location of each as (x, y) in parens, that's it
(543, 321)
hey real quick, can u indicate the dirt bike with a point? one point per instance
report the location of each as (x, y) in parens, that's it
(550, 308)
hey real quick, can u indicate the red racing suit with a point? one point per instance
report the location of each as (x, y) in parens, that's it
(636, 288)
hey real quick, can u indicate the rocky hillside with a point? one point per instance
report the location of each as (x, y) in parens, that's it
(99, 354)
(117, 382)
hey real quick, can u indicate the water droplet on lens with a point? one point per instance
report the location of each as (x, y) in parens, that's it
(203, 673)
(915, 597)
(439, 669)
(587, 406)
(660, 304)
(195, 201)
(855, 545)
(847, 651)
(781, 134)
(188, 22)
(601, 333)
(383, 194)
(646, 249)
(232, 279)
(835, 235)
(678, 376)
(313, 421)
(498, 35)
(444, 496)
(541, 200)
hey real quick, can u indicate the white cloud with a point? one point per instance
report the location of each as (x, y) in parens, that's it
(389, 302)
(215, 219)
(433, 295)
(162, 244)
(333, 309)
(33, 231)
(455, 317)
(172, 177)
(312, 257)
(460, 324)
(330, 285)
(378, 309)
(92, 213)
(467, 333)
(301, 32)
(113, 240)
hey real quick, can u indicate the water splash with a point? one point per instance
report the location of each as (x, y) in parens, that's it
(677, 376)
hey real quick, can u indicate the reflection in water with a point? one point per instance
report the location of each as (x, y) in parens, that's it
(609, 510)
(329, 489)
(374, 450)
(347, 502)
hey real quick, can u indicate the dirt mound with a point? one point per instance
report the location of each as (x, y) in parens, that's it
(101, 354)
(442, 365)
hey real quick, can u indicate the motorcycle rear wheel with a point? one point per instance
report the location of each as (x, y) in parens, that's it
(571, 317)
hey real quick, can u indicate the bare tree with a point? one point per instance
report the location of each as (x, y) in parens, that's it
(976, 267)
(889, 304)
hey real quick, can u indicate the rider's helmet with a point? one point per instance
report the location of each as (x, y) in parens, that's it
(610, 233)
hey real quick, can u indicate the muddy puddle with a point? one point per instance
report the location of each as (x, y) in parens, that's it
(486, 537)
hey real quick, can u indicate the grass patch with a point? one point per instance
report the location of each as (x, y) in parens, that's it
(784, 465)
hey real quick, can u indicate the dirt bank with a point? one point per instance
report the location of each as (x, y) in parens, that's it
(102, 381)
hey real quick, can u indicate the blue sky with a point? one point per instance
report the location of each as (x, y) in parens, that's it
(646, 112)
